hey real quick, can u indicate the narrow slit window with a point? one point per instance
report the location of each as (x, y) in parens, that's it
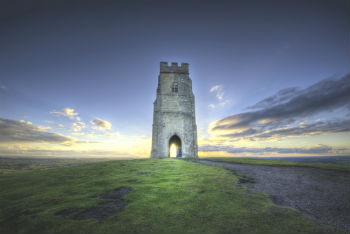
(175, 87)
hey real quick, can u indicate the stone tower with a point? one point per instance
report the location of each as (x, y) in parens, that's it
(174, 120)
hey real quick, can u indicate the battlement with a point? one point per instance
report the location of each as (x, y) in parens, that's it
(174, 68)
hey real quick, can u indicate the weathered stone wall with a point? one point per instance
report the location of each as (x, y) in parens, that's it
(174, 111)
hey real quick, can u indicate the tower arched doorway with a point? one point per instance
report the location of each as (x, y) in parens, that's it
(175, 149)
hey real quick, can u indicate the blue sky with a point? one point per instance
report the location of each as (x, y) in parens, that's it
(65, 64)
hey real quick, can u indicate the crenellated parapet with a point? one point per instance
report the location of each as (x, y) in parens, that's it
(174, 68)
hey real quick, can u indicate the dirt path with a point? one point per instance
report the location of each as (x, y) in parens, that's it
(323, 194)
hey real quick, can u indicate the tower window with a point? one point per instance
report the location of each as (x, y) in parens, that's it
(175, 87)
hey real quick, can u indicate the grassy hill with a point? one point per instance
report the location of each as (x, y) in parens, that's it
(141, 196)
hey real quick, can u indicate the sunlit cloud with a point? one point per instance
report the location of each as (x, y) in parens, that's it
(78, 126)
(67, 112)
(101, 124)
(43, 128)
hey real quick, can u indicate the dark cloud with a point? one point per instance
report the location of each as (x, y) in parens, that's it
(101, 123)
(289, 105)
(21, 131)
(313, 150)
(281, 96)
(320, 127)
(325, 95)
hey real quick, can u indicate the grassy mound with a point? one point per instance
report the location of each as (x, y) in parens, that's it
(158, 196)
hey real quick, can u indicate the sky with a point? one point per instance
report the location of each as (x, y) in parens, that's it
(270, 78)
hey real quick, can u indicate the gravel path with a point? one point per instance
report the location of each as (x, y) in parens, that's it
(323, 194)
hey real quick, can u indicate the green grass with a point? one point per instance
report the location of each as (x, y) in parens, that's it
(272, 162)
(176, 196)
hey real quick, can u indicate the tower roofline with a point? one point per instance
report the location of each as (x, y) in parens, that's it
(174, 68)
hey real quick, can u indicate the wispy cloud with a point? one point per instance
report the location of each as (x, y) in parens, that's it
(12, 131)
(280, 114)
(218, 89)
(67, 112)
(102, 124)
(220, 96)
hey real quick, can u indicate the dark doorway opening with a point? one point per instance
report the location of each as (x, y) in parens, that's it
(175, 147)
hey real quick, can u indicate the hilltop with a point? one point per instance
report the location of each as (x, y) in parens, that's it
(142, 196)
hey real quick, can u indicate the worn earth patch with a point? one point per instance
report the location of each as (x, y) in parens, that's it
(143, 173)
(67, 212)
(116, 193)
(104, 210)
(321, 194)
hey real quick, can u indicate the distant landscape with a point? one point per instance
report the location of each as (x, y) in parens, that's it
(12, 164)
(342, 160)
